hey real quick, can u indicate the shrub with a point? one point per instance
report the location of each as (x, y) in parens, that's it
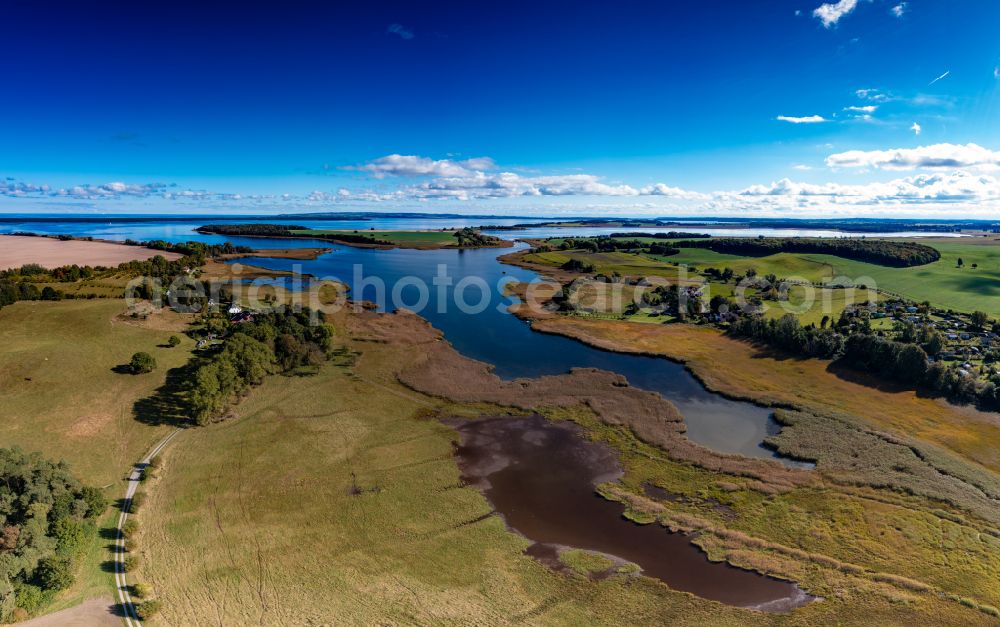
(96, 501)
(131, 563)
(142, 363)
(130, 528)
(55, 573)
(69, 534)
(29, 598)
(148, 609)
(173, 341)
(142, 590)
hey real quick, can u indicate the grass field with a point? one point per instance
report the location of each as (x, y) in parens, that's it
(625, 264)
(332, 499)
(257, 521)
(61, 397)
(407, 239)
(809, 304)
(61, 394)
(943, 282)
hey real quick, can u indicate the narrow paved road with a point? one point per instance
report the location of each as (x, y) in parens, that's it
(131, 618)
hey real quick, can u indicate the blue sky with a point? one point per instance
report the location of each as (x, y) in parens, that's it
(852, 107)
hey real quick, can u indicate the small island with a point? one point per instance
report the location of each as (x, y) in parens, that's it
(422, 240)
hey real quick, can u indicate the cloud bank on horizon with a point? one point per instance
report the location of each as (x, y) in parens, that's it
(856, 107)
(958, 181)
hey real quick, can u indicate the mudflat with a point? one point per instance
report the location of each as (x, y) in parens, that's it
(17, 250)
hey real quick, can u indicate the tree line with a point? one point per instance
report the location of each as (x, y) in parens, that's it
(282, 230)
(661, 235)
(903, 359)
(46, 517)
(610, 244)
(881, 252)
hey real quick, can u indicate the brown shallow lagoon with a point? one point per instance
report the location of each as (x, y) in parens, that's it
(540, 476)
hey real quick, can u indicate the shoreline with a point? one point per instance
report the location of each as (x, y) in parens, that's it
(503, 242)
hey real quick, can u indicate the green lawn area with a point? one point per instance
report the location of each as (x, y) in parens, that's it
(625, 264)
(61, 395)
(783, 265)
(943, 282)
(417, 239)
(809, 304)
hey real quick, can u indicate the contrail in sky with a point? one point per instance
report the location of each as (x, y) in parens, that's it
(943, 76)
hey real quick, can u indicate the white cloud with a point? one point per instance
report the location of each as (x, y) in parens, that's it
(873, 95)
(802, 167)
(673, 192)
(996, 71)
(916, 128)
(809, 119)
(480, 178)
(400, 31)
(863, 109)
(899, 9)
(936, 156)
(939, 78)
(831, 13)
(412, 165)
(953, 187)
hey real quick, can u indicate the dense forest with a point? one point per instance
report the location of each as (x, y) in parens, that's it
(46, 517)
(662, 235)
(610, 244)
(256, 228)
(881, 252)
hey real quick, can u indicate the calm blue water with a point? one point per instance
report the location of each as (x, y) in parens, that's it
(183, 230)
(555, 231)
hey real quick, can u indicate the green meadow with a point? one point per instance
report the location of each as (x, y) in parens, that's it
(413, 239)
(975, 285)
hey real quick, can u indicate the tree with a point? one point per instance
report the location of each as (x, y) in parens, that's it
(142, 590)
(55, 573)
(173, 341)
(911, 364)
(148, 609)
(70, 535)
(142, 363)
(130, 528)
(48, 293)
(934, 343)
(95, 500)
(979, 319)
(959, 263)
